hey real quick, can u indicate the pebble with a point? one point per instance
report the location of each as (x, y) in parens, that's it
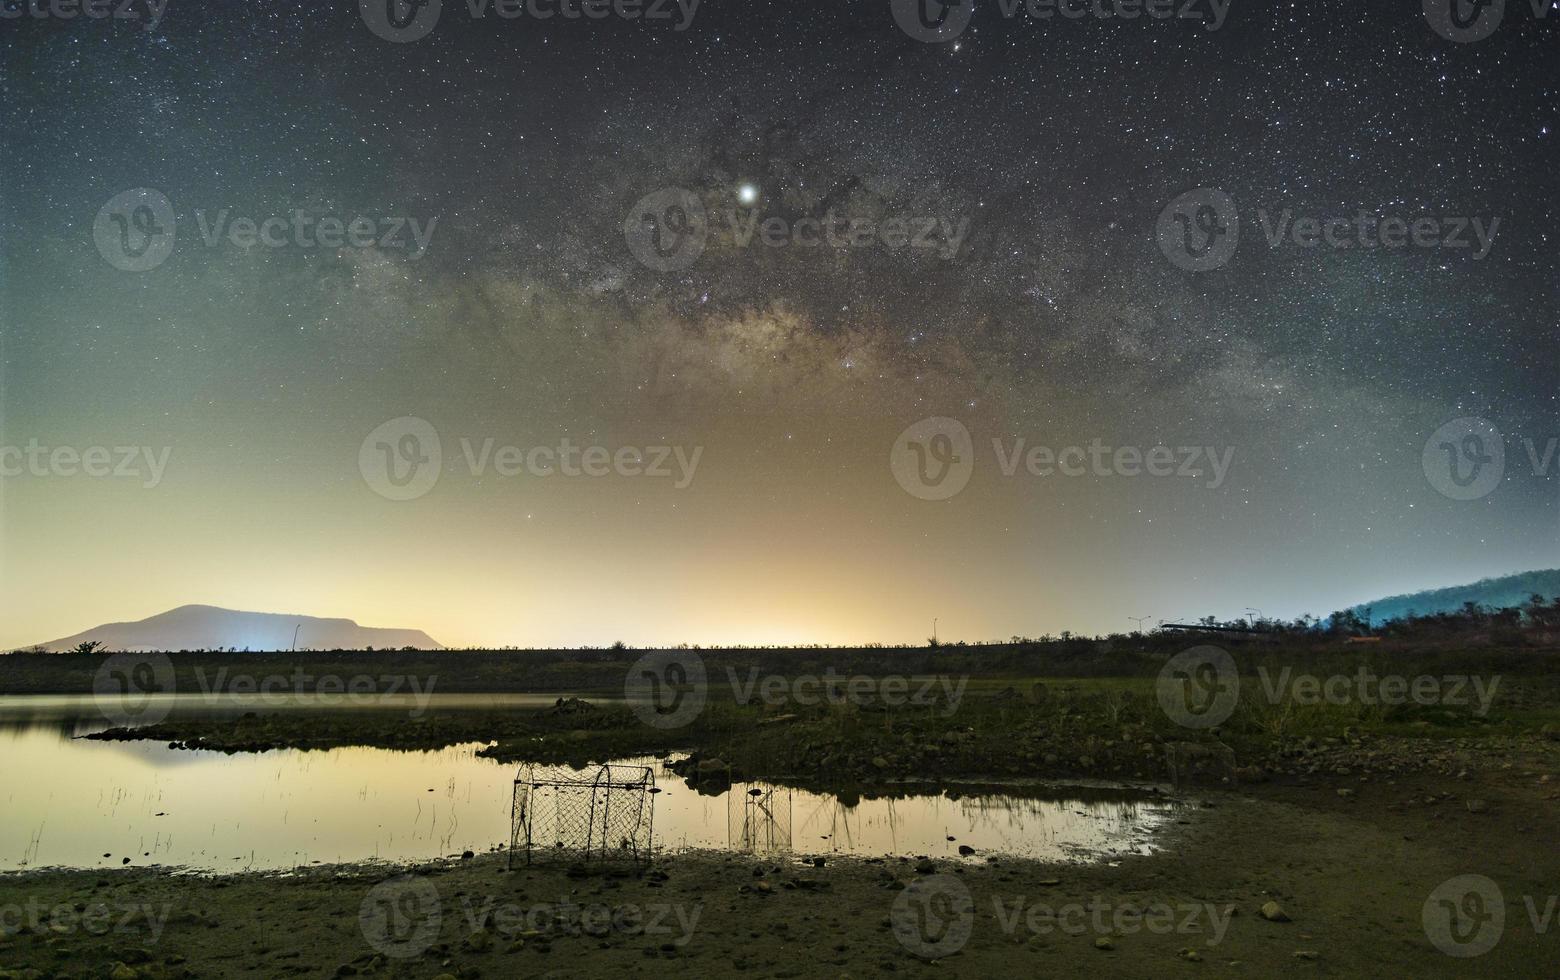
(1274, 912)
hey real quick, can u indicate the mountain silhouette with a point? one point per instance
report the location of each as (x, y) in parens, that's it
(212, 628)
(1491, 593)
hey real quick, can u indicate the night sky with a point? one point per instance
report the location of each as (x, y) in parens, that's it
(1049, 148)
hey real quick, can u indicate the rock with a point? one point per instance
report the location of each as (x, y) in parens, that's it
(122, 972)
(878, 762)
(1104, 943)
(1345, 793)
(1189, 953)
(966, 850)
(925, 867)
(1477, 806)
(479, 942)
(1305, 954)
(1274, 912)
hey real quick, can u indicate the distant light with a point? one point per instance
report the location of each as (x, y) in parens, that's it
(747, 193)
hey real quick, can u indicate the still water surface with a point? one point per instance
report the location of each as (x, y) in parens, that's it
(74, 802)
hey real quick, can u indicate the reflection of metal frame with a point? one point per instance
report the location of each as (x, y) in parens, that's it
(605, 814)
(758, 820)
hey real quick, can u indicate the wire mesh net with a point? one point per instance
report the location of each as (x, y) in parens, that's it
(603, 813)
(758, 819)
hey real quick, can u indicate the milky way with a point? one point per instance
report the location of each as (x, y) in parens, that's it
(1005, 184)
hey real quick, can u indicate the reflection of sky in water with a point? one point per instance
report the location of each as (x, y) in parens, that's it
(67, 802)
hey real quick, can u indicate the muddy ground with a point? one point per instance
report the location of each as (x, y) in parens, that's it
(1350, 861)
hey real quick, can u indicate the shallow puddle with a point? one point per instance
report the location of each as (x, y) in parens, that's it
(72, 802)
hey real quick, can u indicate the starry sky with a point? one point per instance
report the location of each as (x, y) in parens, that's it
(522, 147)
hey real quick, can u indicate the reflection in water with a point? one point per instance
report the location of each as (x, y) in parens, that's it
(81, 803)
(758, 819)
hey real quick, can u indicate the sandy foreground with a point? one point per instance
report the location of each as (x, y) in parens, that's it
(1370, 881)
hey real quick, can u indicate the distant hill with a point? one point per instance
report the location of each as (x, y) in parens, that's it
(1493, 593)
(211, 628)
